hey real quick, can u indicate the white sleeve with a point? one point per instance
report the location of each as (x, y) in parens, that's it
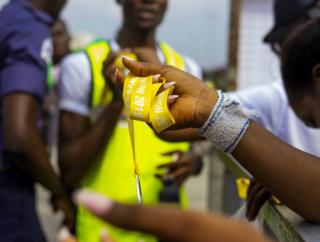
(268, 100)
(193, 68)
(75, 84)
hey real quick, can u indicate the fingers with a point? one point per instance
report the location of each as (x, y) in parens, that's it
(172, 152)
(177, 171)
(251, 186)
(172, 99)
(174, 165)
(93, 202)
(257, 198)
(254, 188)
(119, 79)
(64, 235)
(144, 69)
(181, 174)
(260, 199)
(109, 66)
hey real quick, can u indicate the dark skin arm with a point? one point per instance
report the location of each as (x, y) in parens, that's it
(23, 140)
(170, 224)
(80, 141)
(285, 171)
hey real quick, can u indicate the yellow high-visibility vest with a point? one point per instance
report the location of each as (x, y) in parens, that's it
(113, 176)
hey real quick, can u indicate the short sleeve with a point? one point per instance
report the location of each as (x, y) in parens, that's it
(24, 66)
(75, 84)
(267, 100)
(193, 68)
(23, 77)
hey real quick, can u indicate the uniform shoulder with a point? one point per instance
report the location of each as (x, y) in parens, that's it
(75, 59)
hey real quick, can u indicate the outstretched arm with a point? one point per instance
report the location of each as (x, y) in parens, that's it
(169, 224)
(284, 170)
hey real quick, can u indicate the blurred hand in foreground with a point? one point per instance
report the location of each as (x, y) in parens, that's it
(64, 235)
(168, 224)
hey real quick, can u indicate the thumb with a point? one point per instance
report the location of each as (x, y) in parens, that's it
(119, 78)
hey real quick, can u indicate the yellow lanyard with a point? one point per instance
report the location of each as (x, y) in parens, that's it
(143, 103)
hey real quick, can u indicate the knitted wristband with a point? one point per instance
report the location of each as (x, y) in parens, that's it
(226, 124)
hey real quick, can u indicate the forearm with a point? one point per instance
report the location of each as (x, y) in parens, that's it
(31, 157)
(291, 175)
(78, 155)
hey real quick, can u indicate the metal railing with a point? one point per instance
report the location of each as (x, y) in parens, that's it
(280, 222)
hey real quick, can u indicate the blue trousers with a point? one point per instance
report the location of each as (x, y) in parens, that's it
(18, 218)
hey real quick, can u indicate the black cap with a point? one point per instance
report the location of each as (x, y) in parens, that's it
(287, 12)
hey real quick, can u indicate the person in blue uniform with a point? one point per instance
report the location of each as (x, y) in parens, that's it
(25, 52)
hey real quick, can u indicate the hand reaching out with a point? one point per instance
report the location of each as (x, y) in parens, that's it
(169, 224)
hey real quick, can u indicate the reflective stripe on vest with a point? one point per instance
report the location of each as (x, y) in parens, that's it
(97, 53)
(113, 175)
(172, 57)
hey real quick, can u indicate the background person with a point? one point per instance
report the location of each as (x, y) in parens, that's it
(277, 114)
(25, 50)
(94, 135)
(61, 48)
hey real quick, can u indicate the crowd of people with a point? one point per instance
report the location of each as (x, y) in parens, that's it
(53, 97)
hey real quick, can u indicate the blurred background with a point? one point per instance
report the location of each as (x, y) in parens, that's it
(223, 36)
(203, 29)
(200, 30)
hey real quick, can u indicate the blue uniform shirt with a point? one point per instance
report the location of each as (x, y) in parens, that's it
(25, 50)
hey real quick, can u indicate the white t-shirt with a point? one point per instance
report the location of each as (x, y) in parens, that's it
(75, 82)
(271, 102)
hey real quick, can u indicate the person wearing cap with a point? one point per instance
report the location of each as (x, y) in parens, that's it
(25, 50)
(286, 19)
(61, 48)
(271, 101)
(95, 150)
